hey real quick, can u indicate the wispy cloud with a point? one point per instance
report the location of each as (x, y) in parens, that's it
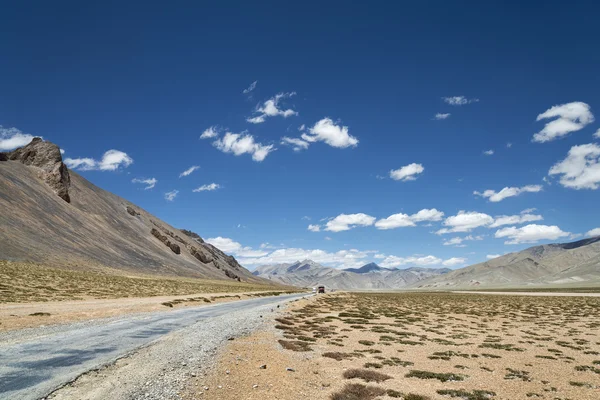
(189, 171)
(489, 152)
(170, 196)
(507, 192)
(150, 182)
(440, 116)
(569, 117)
(459, 100)
(250, 88)
(295, 143)
(207, 188)
(210, 132)
(271, 108)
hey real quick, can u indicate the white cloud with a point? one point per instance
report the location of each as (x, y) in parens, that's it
(207, 188)
(581, 168)
(150, 182)
(239, 144)
(465, 221)
(189, 171)
(440, 116)
(250, 88)
(570, 117)
(528, 210)
(12, 138)
(495, 197)
(302, 127)
(530, 233)
(62, 151)
(515, 219)
(327, 238)
(457, 241)
(334, 135)
(344, 222)
(407, 173)
(340, 259)
(230, 246)
(492, 256)
(111, 161)
(454, 261)
(297, 144)
(404, 220)
(459, 100)
(593, 232)
(170, 196)
(314, 228)
(509, 145)
(210, 133)
(597, 134)
(489, 152)
(270, 108)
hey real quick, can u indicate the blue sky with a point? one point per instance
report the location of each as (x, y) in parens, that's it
(430, 87)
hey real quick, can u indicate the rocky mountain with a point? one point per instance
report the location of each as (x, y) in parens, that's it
(54, 216)
(308, 273)
(575, 263)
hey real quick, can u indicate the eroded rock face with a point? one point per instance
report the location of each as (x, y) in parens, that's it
(173, 246)
(132, 211)
(47, 158)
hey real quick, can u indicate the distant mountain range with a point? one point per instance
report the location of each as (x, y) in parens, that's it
(575, 263)
(308, 273)
(560, 264)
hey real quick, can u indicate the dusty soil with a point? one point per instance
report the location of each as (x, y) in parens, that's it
(427, 345)
(29, 315)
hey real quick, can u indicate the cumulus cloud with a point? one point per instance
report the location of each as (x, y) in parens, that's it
(404, 220)
(230, 246)
(459, 100)
(597, 134)
(239, 144)
(250, 88)
(440, 116)
(295, 143)
(593, 232)
(344, 222)
(327, 131)
(492, 256)
(515, 219)
(569, 117)
(465, 221)
(270, 108)
(150, 182)
(111, 161)
(458, 241)
(170, 196)
(210, 133)
(489, 152)
(12, 138)
(407, 173)
(530, 233)
(580, 169)
(454, 261)
(314, 228)
(189, 171)
(507, 192)
(207, 188)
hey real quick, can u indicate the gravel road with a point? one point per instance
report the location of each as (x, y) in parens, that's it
(36, 362)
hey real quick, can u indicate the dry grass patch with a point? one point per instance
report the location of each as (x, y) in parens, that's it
(366, 375)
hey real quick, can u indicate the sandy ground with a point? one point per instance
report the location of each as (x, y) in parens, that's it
(554, 338)
(19, 315)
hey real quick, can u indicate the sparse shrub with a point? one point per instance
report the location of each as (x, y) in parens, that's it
(366, 375)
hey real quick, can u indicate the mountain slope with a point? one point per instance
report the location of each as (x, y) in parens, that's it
(549, 264)
(307, 273)
(56, 217)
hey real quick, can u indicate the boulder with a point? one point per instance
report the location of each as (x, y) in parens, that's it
(46, 157)
(174, 247)
(132, 211)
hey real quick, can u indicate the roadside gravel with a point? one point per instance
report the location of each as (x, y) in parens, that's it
(161, 370)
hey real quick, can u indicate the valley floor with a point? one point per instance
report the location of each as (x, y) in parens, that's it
(416, 346)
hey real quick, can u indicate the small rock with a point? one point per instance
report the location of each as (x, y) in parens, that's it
(205, 387)
(264, 366)
(219, 387)
(290, 369)
(193, 374)
(254, 386)
(227, 372)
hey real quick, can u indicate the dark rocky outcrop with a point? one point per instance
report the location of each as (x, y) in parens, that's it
(46, 157)
(193, 235)
(3, 157)
(173, 246)
(200, 255)
(132, 211)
